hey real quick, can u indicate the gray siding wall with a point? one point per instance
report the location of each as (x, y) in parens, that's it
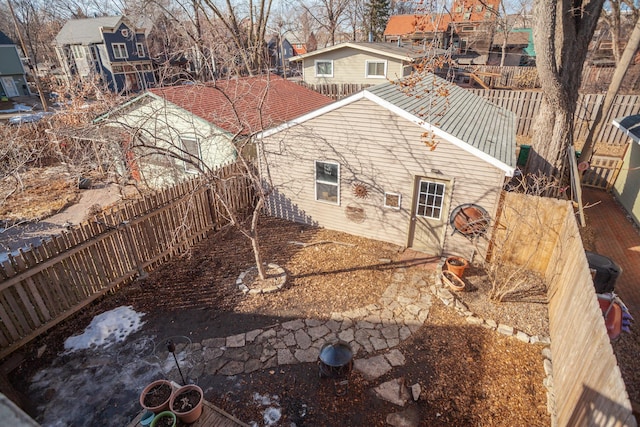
(349, 67)
(385, 152)
(627, 185)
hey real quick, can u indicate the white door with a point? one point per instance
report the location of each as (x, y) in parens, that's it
(429, 214)
(9, 86)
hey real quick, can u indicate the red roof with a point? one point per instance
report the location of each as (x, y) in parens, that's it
(399, 25)
(475, 10)
(245, 105)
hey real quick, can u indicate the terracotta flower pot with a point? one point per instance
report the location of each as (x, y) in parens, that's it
(452, 281)
(165, 418)
(186, 403)
(156, 396)
(457, 265)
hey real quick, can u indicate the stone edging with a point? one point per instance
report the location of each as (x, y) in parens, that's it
(281, 279)
(449, 299)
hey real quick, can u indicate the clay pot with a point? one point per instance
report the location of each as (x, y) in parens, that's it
(187, 410)
(156, 396)
(160, 420)
(452, 281)
(457, 265)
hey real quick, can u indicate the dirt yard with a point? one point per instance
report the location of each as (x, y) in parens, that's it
(469, 375)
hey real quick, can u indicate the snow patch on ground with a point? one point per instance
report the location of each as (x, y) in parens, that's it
(272, 414)
(106, 329)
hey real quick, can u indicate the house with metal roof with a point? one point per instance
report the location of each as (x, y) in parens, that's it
(360, 63)
(627, 184)
(395, 163)
(13, 80)
(174, 132)
(109, 48)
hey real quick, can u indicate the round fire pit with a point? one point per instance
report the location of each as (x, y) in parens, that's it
(335, 359)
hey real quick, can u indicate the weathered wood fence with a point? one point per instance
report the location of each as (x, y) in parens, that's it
(45, 284)
(525, 105)
(587, 383)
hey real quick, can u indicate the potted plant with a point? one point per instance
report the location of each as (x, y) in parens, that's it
(155, 396)
(187, 402)
(164, 419)
(452, 281)
(457, 265)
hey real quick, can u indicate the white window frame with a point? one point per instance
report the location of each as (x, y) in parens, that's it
(140, 50)
(188, 167)
(316, 181)
(124, 32)
(432, 205)
(398, 195)
(117, 48)
(315, 67)
(78, 51)
(375, 76)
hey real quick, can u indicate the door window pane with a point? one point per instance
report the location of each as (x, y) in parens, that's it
(430, 199)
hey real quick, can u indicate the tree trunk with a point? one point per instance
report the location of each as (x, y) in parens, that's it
(562, 32)
(554, 128)
(616, 81)
(255, 243)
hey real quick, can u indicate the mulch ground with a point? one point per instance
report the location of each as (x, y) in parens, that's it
(469, 375)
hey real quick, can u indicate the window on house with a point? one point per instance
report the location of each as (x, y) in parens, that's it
(324, 68)
(458, 9)
(392, 200)
(467, 16)
(327, 182)
(468, 28)
(78, 51)
(119, 50)
(430, 199)
(124, 32)
(140, 49)
(478, 8)
(376, 69)
(191, 149)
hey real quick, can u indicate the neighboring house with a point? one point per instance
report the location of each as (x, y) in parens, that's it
(467, 30)
(627, 185)
(392, 163)
(109, 47)
(177, 131)
(418, 29)
(13, 80)
(519, 46)
(473, 24)
(360, 63)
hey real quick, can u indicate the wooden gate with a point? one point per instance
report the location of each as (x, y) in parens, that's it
(602, 172)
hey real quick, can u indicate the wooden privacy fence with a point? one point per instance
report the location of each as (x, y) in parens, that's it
(588, 387)
(45, 284)
(526, 104)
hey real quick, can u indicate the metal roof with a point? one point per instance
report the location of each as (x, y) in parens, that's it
(85, 31)
(629, 125)
(406, 53)
(449, 111)
(454, 114)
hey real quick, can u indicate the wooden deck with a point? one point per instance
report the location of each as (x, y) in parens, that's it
(212, 416)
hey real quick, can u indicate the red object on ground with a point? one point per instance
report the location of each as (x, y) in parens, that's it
(612, 316)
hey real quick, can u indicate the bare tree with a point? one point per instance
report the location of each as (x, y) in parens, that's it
(562, 33)
(616, 81)
(329, 15)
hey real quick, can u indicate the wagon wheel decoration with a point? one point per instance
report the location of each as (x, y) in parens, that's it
(360, 190)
